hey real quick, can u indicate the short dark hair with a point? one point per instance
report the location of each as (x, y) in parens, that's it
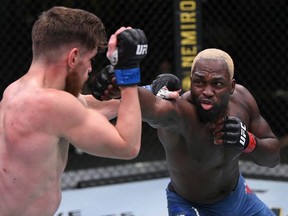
(62, 26)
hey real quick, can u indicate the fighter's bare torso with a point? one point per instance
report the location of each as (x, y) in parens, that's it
(201, 171)
(29, 154)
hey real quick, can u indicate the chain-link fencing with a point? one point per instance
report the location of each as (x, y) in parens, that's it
(253, 32)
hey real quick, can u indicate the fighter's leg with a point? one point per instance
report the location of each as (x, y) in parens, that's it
(177, 206)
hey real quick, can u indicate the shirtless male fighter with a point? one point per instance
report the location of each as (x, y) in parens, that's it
(43, 112)
(204, 132)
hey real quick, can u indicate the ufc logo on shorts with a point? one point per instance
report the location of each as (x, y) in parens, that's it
(141, 49)
(243, 134)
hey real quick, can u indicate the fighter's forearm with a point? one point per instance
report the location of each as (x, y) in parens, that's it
(107, 108)
(266, 152)
(148, 103)
(157, 112)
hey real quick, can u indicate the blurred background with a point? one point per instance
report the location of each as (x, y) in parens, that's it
(253, 32)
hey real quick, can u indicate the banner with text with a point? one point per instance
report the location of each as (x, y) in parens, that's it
(187, 36)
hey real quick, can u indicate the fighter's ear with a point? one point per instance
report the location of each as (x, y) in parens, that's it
(72, 57)
(233, 84)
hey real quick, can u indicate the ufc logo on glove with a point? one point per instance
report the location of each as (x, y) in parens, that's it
(142, 49)
(243, 134)
(132, 47)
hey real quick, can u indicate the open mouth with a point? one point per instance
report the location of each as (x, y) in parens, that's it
(206, 104)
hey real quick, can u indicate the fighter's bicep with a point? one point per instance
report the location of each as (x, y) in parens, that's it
(166, 114)
(258, 124)
(260, 128)
(94, 134)
(69, 119)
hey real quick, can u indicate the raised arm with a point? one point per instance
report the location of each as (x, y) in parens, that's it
(92, 132)
(250, 133)
(155, 110)
(158, 112)
(107, 108)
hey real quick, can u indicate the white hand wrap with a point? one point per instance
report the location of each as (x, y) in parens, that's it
(113, 58)
(163, 93)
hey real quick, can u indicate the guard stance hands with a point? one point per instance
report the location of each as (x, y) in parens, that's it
(131, 48)
(127, 47)
(234, 134)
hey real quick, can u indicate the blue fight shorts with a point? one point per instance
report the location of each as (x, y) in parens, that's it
(241, 202)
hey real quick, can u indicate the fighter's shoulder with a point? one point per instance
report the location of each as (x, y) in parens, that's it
(46, 96)
(56, 109)
(185, 105)
(58, 98)
(48, 101)
(241, 91)
(186, 99)
(243, 95)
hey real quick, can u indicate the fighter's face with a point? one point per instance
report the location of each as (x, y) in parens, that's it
(211, 88)
(78, 75)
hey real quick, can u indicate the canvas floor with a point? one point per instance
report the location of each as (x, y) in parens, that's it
(147, 198)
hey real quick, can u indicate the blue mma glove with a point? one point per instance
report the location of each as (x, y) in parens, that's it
(131, 48)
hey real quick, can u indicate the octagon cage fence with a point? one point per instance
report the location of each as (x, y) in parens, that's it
(253, 32)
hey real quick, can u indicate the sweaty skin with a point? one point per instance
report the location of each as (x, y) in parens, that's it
(202, 170)
(41, 113)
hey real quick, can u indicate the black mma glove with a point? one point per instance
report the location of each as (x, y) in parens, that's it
(163, 84)
(169, 80)
(236, 136)
(99, 83)
(131, 48)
